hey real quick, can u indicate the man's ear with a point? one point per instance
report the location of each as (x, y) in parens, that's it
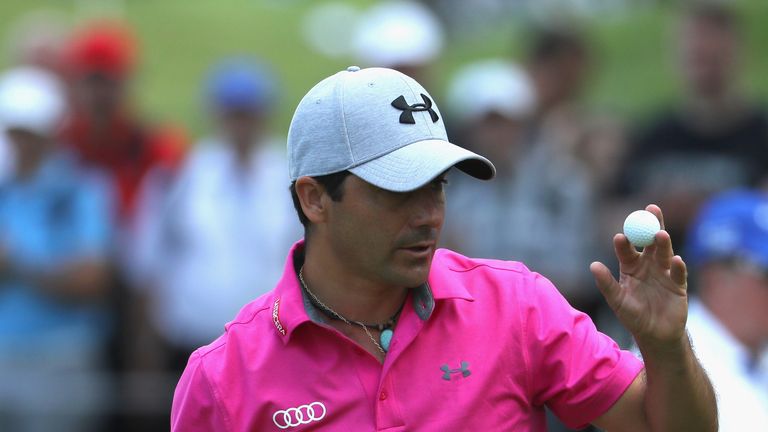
(313, 198)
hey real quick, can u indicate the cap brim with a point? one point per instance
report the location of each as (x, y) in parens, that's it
(411, 167)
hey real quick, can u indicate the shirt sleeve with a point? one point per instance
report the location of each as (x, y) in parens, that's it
(578, 372)
(196, 406)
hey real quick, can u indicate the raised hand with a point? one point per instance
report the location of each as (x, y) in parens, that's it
(650, 297)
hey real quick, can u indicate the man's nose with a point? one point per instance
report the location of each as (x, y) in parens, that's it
(429, 207)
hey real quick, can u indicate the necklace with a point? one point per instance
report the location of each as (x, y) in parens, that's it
(385, 328)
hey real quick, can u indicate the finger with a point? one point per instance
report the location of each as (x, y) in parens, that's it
(625, 252)
(678, 271)
(606, 283)
(650, 249)
(656, 210)
(663, 253)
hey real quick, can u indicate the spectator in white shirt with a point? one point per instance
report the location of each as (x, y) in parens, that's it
(728, 323)
(228, 221)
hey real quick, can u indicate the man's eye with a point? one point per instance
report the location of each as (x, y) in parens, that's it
(439, 183)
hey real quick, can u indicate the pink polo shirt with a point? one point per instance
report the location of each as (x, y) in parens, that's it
(484, 345)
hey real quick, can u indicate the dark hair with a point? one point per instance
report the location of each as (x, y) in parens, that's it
(548, 44)
(716, 14)
(332, 184)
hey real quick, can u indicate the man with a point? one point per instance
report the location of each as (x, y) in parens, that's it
(541, 204)
(34, 39)
(55, 233)
(220, 238)
(105, 132)
(716, 139)
(728, 321)
(103, 129)
(371, 328)
(558, 62)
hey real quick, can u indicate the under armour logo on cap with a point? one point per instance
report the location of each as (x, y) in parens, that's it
(406, 116)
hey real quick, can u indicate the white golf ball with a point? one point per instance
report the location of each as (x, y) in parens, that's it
(641, 227)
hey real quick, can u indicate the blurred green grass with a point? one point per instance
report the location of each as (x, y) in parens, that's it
(180, 39)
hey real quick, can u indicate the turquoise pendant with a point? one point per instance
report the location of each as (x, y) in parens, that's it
(385, 339)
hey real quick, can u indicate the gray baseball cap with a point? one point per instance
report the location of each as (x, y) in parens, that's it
(379, 124)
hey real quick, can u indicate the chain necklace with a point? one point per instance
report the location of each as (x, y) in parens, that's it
(385, 328)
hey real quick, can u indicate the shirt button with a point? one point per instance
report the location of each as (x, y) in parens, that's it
(383, 396)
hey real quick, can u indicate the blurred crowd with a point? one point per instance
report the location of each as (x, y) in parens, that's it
(125, 243)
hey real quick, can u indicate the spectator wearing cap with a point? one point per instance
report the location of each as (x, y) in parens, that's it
(34, 39)
(492, 102)
(228, 222)
(541, 206)
(104, 130)
(139, 159)
(401, 35)
(728, 322)
(55, 233)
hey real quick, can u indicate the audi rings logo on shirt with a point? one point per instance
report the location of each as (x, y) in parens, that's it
(298, 416)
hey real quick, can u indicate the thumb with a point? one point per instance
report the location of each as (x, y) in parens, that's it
(605, 282)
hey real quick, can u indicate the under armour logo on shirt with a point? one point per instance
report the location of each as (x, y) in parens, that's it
(406, 116)
(447, 371)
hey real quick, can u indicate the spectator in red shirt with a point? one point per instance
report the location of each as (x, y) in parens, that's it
(139, 159)
(103, 128)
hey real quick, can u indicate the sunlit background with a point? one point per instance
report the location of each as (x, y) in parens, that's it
(307, 40)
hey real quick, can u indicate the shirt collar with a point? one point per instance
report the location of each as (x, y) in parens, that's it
(291, 308)
(288, 311)
(443, 279)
